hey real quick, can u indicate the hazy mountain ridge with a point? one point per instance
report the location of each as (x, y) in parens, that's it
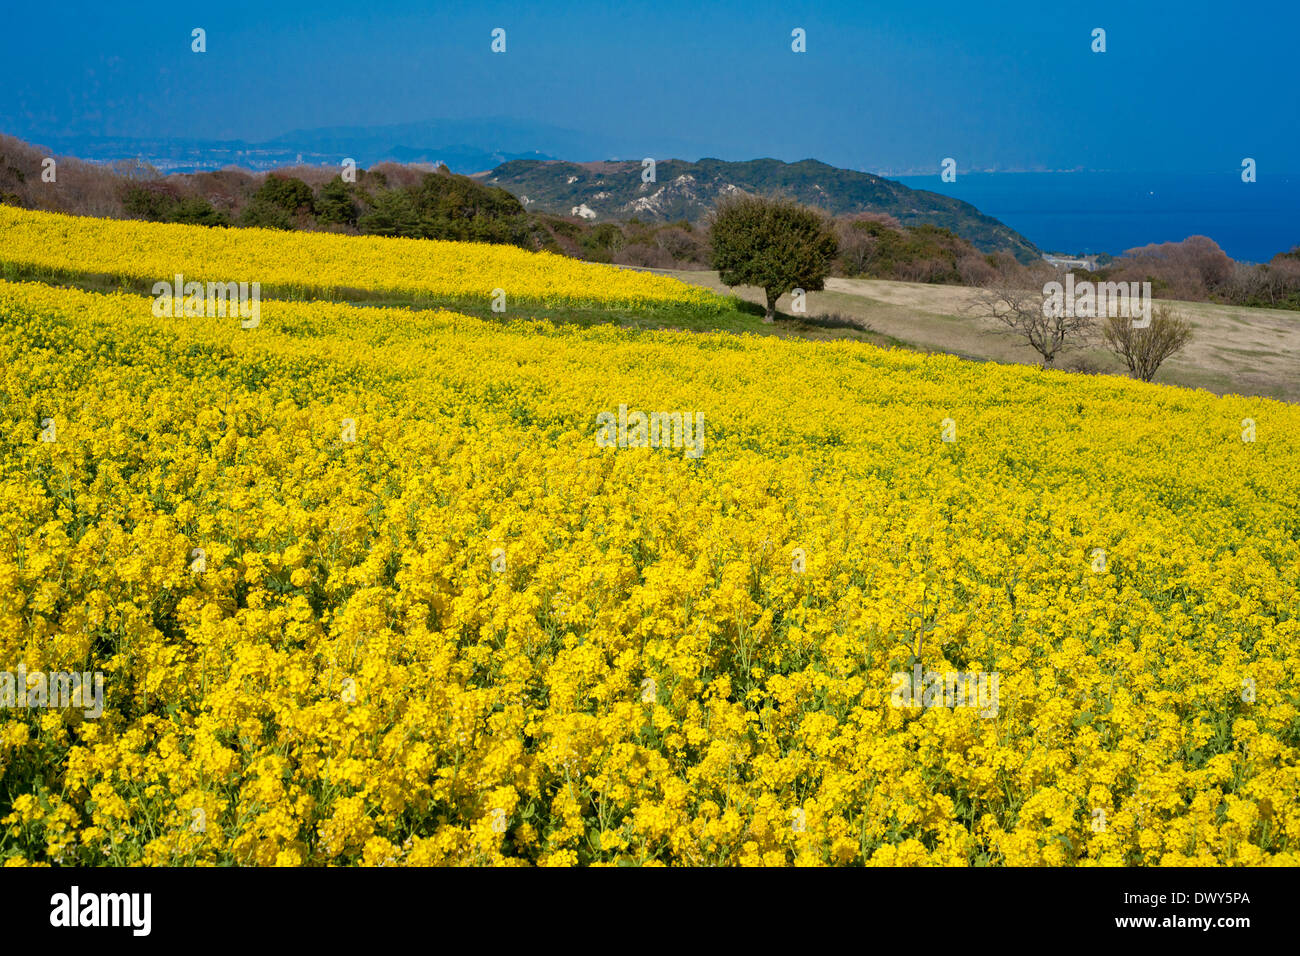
(193, 156)
(689, 190)
(464, 146)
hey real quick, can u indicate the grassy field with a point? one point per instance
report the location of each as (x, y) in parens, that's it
(1235, 350)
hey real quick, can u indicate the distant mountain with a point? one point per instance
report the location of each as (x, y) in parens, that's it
(686, 190)
(459, 143)
(519, 157)
(464, 146)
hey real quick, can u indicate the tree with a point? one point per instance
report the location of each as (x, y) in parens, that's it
(264, 215)
(200, 212)
(154, 201)
(1143, 350)
(335, 205)
(393, 214)
(774, 244)
(290, 194)
(1022, 311)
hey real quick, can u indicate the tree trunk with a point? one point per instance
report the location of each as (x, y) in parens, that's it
(771, 309)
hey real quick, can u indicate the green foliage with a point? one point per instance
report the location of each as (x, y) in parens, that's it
(446, 206)
(393, 214)
(156, 203)
(879, 250)
(457, 207)
(601, 242)
(199, 212)
(774, 244)
(150, 201)
(336, 204)
(264, 215)
(563, 227)
(287, 193)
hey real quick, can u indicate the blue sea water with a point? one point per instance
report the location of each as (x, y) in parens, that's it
(1085, 213)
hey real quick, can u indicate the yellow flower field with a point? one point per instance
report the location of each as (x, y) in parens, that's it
(322, 265)
(364, 588)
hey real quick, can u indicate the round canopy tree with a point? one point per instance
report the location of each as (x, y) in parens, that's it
(774, 244)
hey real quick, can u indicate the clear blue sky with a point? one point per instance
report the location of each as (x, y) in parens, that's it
(1183, 86)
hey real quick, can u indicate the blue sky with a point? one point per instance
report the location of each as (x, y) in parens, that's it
(1183, 86)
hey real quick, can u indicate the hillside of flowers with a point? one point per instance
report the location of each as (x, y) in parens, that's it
(323, 265)
(379, 586)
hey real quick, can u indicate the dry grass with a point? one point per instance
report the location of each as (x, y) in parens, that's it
(1234, 349)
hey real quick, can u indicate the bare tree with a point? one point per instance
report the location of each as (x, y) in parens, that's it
(976, 270)
(1022, 311)
(1143, 350)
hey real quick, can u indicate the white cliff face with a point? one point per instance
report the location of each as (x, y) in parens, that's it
(683, 189)
(602, 196)
(651, 203)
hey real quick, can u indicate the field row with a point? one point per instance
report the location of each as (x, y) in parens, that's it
(323, 265)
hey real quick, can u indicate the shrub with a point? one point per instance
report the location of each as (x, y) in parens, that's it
(1145, 350)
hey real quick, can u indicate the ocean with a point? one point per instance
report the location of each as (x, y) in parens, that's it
(1086, 213)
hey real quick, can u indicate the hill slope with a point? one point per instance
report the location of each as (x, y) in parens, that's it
(1235, 350)
(425, 569)
(683, 190)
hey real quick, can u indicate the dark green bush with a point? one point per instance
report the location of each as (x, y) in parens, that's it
(264, 215)
(287, 193)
